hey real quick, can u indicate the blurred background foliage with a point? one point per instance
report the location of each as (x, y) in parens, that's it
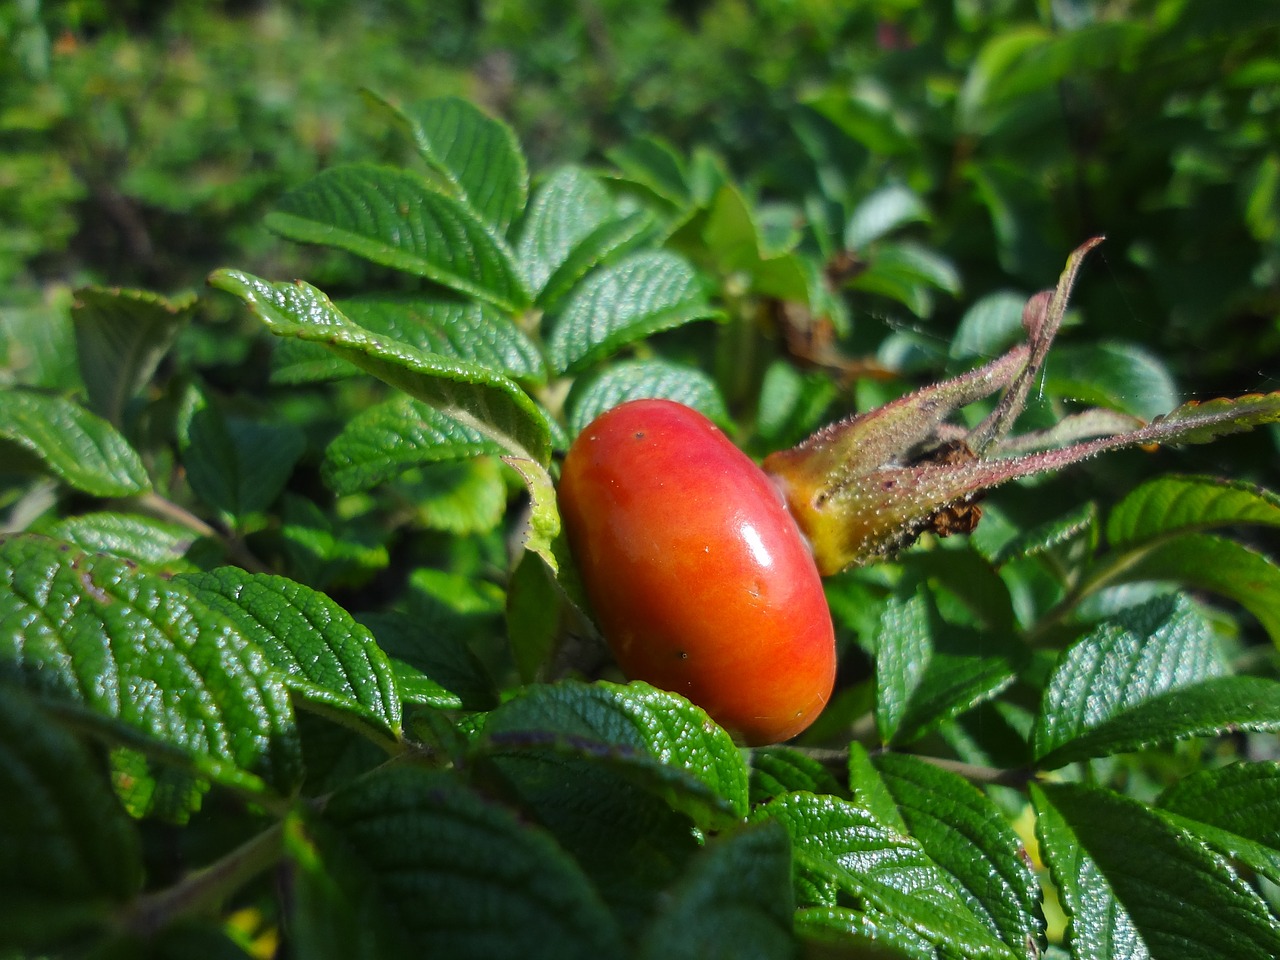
(939, 158)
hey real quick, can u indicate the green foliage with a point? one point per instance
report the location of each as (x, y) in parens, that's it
(288, 600)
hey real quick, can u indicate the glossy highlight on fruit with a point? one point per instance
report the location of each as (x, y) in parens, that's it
(696, 573)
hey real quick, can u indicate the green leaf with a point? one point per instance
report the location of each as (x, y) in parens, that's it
(637, 379)
(889, 874)
(326, 657)
(121, 336)
(735, 242)
(1149, 675)
(95, 633)
(533, 616)
(409, 861)
(156, 544)
(432, 663)
(326, 548)
(908, 272)
(734, 901)
(1212, 563)
(622, 303)
(572, 226)
(394, 436)
(653, 164)
(80, 449)
(488, 402)
(1122, 376)
(69, 856)
(883, 211)
(1125, 661)
(1235, 809)
(990, 326)
(856, 936)
(477, 157)
(1133, 885)
(637, 723)
(470, 331)
(777, 770)
(394, 218)
(1184, 504)
(460, 498)
(929, 671)
(966, 835)
(236, 465)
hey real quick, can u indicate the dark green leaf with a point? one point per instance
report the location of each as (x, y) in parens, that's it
(121, 335)
(409, 862)
(79, 448)
(96, 633)
(69, 855)
(1133, 885)
(432, 663)
(966, 835)
(394, 218)
(477, 157)
(1213, 563)
(326, 656)
(625, 302)
(637, 379)
(1236, 809)
(929, 671)
(734, 902)
(636, 720)
(1180, 504)
(237, 465)
(385, 440)
(778, 770)
(474, 395)
(533, 616)
(888, 873)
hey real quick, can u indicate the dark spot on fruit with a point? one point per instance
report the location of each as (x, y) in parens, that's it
(682, 654)
(639, 434)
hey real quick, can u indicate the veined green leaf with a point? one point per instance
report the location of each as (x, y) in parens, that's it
(625, 302)
(1121, 376)
(858, 936)
(473, 332)
(477, 156)
(637, 379)
(653, 726)
(1185, 504)
(394, 218)
(1235, 809)
(1134, 885)
(734, 901)
(145, 653)
(324, 655)
(777, 770)
(1145, 652)
(385, 440)
(79, 448)
(967, 836)
(488, 402)
(408, 860)
(121, 335)
(572, 226)
(929, 671)
(432, 663)
(889, 874)
(69, 855)
(655, 165)
(156, 544)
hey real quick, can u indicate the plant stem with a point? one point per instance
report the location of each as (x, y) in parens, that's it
(152, 502)
(205, 890)
(975, 773)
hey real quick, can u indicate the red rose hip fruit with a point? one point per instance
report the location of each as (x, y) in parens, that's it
(697, 574)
